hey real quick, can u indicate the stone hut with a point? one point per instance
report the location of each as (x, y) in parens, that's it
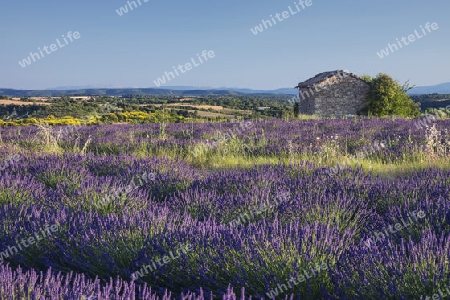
(332, 94)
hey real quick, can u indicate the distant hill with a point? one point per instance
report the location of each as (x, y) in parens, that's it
(87, 87)
(443, 88)
(432, 100)
(282, 91)
(112, 92)
(175, 91)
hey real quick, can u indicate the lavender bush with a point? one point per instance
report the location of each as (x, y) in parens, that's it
(298, 214)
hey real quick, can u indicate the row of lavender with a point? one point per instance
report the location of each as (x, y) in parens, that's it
(392, 139)
(129, 224)
(276, 231)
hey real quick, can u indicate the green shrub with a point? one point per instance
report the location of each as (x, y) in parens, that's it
(387, 97)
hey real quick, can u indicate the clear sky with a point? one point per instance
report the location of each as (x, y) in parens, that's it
(135, 49)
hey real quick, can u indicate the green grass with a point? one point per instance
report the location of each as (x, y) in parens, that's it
(405, 166)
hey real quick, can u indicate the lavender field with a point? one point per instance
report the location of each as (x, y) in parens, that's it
(319, 209)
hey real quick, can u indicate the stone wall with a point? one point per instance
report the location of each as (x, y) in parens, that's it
(339, 95)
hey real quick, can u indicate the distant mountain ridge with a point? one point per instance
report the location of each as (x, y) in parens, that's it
(443, 88)
(168, 91)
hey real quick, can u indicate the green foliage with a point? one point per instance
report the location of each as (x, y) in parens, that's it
(366, 78)
(143, 109)
(387, 97)
(432, 101)
(296, 109)
(8, 195)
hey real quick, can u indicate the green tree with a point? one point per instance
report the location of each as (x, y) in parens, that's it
(366, 78)
(296, 109)
(387, 97)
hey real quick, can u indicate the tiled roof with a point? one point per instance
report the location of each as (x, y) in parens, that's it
(319, 78)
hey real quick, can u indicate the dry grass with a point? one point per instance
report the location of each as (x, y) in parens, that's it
(17, 102)
(214, 107)
(42, 98)
(210, 114)
(216, 110)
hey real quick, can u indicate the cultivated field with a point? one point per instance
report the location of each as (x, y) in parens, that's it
(319, 209)
(211, 111)
(18, 102)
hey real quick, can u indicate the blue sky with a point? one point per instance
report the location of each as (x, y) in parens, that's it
(135, 49)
